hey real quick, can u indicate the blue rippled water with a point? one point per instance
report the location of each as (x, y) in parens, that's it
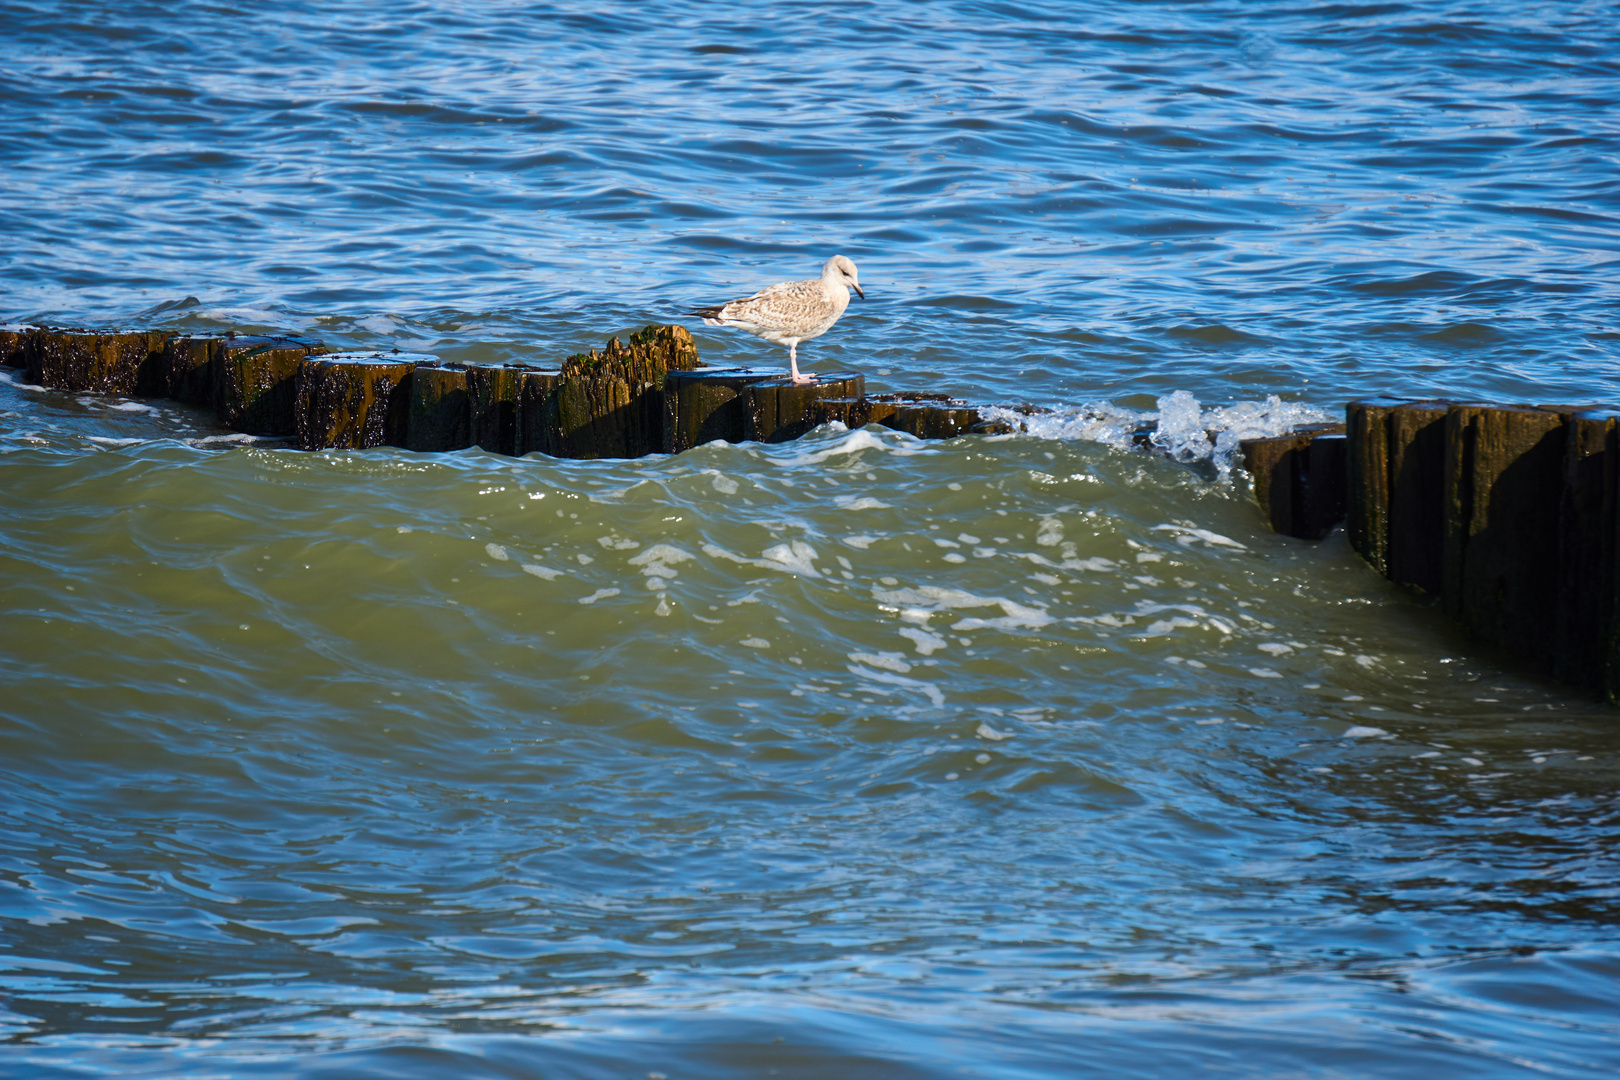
(852, 757)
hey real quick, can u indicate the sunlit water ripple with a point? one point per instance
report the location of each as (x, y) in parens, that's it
(851, 757)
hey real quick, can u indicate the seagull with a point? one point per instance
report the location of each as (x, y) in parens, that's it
(791, 311)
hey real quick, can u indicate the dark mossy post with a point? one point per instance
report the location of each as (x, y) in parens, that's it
(492, 404)
(1300, 478)
(98, 362)
(537, 427)
(927, 416)
(12, 353)
(1366, 522)
(779, 411)
(256, 382)
(439, 416)
(611, 403)
(355, 400)
(1588, 523)
(1417, 457)
(1504, 471)
(707, 404)
(191, 370)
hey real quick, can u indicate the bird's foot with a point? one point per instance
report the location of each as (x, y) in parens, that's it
(802, 380)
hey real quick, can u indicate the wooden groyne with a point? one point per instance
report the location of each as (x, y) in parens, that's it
(650, 394)
(1507, 514)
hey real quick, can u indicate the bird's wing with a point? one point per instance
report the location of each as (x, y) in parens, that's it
(784, 305)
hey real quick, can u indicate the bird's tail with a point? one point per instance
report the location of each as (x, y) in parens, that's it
(711, 312)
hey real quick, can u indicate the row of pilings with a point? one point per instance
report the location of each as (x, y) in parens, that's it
(648, 395)
(1507, 514)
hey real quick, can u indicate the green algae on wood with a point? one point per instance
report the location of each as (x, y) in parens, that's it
(438, 414)
(492, 405)
(256, 382)
(611, 403)
(355, 400)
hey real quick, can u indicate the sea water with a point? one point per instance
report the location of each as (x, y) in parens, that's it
(1014, 756)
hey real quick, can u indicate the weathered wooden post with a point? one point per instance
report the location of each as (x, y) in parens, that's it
(537, 425)
(492, 405)
(1503, 475)
(355, 400)
(440, 417)
(128, 362)
(1417, 456)
(256, 381)
(924, 415)
(11, 348)
(706, 404)
(1588, 521)
(1300, 478)
(1366, 523)
(611, 404)
(778, 411)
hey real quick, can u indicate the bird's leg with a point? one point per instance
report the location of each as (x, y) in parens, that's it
(793, 358)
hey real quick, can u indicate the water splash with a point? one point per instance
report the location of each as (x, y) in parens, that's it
(1181, 429)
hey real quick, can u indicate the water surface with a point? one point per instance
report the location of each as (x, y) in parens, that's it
(857, 756)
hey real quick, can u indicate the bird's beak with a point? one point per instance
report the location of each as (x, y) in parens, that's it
(858, 292)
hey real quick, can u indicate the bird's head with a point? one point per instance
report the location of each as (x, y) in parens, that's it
(842, 271)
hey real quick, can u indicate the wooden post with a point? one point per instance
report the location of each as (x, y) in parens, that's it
(707, 404)
(611, 404)
(256, 382)
(926, 416)
(112, 362)
(1503, 476)
(1366, 522)
(1588, 520)
(778, 411)
(12, 348)
(1300, 485)
(537, 427)
(1417, 456)
(355, 400)
(439, 413)
(492, 402)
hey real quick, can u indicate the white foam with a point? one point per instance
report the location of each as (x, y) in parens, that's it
(932, 692)
(658, 562)
(102, 440)
(722, 483)
(217, 440)
(893, 442)
(1184, 430)
(599, 594)
(926, 643)
(889, 661)
(497, 552)
(1360, 732)
(544, 572)
(1187, 534)
(1014, 614)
